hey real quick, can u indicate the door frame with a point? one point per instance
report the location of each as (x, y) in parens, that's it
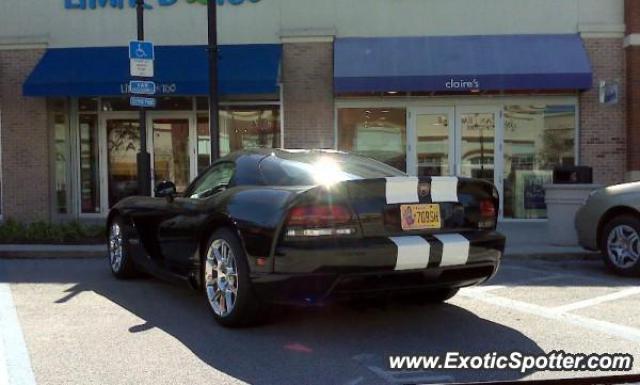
(134, 115)
(192, 140)
(454, 113)
(498, 152)
(104, 153)
(412, 135)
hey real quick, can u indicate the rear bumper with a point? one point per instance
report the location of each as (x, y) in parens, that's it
(586, 229)
(310, 274)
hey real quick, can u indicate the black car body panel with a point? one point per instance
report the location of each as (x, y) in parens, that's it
(170, 234)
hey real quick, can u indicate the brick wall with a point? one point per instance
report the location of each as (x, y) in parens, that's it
(602, 128)
(632, 16)
(23, 139)
(307, 76)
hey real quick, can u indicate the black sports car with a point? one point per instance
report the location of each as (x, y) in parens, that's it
(265, 226)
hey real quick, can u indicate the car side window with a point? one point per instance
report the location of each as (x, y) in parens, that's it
(215, 180)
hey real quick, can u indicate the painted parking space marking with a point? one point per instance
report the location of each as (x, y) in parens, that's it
(606, 281)
(598, 300)
(608, 328)
(523, 282)
(15, 365)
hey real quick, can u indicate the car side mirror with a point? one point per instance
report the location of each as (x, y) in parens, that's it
(165, 189)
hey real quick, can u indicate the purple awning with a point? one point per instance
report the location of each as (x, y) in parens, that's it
(461, 63)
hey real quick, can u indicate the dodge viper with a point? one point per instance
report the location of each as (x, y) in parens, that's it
(260, 227)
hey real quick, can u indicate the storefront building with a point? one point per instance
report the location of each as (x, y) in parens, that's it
(501, 90)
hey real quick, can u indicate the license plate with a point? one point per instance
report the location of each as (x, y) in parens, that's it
(420, 217)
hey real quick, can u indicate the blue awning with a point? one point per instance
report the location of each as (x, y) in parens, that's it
(461, 63)
(179, 70)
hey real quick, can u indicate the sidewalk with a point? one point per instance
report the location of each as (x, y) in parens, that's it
(524, 239)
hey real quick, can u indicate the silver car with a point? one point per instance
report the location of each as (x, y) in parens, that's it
(609, 221)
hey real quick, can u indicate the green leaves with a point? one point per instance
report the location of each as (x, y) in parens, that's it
(12, 231)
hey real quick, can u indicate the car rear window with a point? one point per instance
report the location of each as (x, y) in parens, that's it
(307, 169)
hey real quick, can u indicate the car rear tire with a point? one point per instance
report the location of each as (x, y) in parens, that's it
(226, 282)
(120, 260)
(620, 245)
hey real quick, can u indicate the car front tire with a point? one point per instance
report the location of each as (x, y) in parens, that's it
(226, 282)
(620, 245)
(118, 248)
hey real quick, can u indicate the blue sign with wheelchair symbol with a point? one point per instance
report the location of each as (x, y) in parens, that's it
(141, 50)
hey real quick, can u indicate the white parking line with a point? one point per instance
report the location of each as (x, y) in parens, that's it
(603, 280)
(624, 332)
(598, 300)
(15, 365)
(485, 288)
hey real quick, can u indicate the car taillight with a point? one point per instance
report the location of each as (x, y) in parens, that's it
(488, 214)
(319, 220)
(487, 208)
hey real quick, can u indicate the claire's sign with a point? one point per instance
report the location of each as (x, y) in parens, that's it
(120, 4)
(462, 84)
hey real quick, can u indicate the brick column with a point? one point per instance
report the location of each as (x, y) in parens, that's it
(602, 127)
(307, 81)
(24, 140)
(632, 50)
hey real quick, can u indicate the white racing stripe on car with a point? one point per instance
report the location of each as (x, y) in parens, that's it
(413, 252)
(455, 249)
(444, 189)
(401, 189)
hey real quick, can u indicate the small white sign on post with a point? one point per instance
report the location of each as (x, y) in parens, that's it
(141, 68)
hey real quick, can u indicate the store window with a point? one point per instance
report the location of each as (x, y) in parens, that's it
(379, 133)
(241, 127)
(59, 123)
(89, 167)
(536, 138)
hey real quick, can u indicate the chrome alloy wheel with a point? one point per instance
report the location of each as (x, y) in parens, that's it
(623, 246)
(221, 277)
(116, 241)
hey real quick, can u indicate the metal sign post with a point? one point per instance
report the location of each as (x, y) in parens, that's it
(214, 132)
(143, 158)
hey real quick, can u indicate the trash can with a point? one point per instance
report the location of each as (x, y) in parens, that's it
(571, 187)
(572, 175)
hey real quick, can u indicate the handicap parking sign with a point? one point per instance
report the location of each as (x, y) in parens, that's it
(141, 50)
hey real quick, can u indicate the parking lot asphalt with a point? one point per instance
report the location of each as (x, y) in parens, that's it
(76, 324)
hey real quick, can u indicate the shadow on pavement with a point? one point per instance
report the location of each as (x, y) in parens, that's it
(334, 344)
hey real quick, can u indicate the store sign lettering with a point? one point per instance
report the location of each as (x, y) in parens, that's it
(120, 4)
(462, 84)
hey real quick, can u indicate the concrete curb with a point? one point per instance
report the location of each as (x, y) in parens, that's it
(52, 251)
(583, 256)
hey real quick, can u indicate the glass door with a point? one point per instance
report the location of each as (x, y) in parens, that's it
(479, 144)
(463, 141)
(122, 146)
(432, 151)
(171, 150)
